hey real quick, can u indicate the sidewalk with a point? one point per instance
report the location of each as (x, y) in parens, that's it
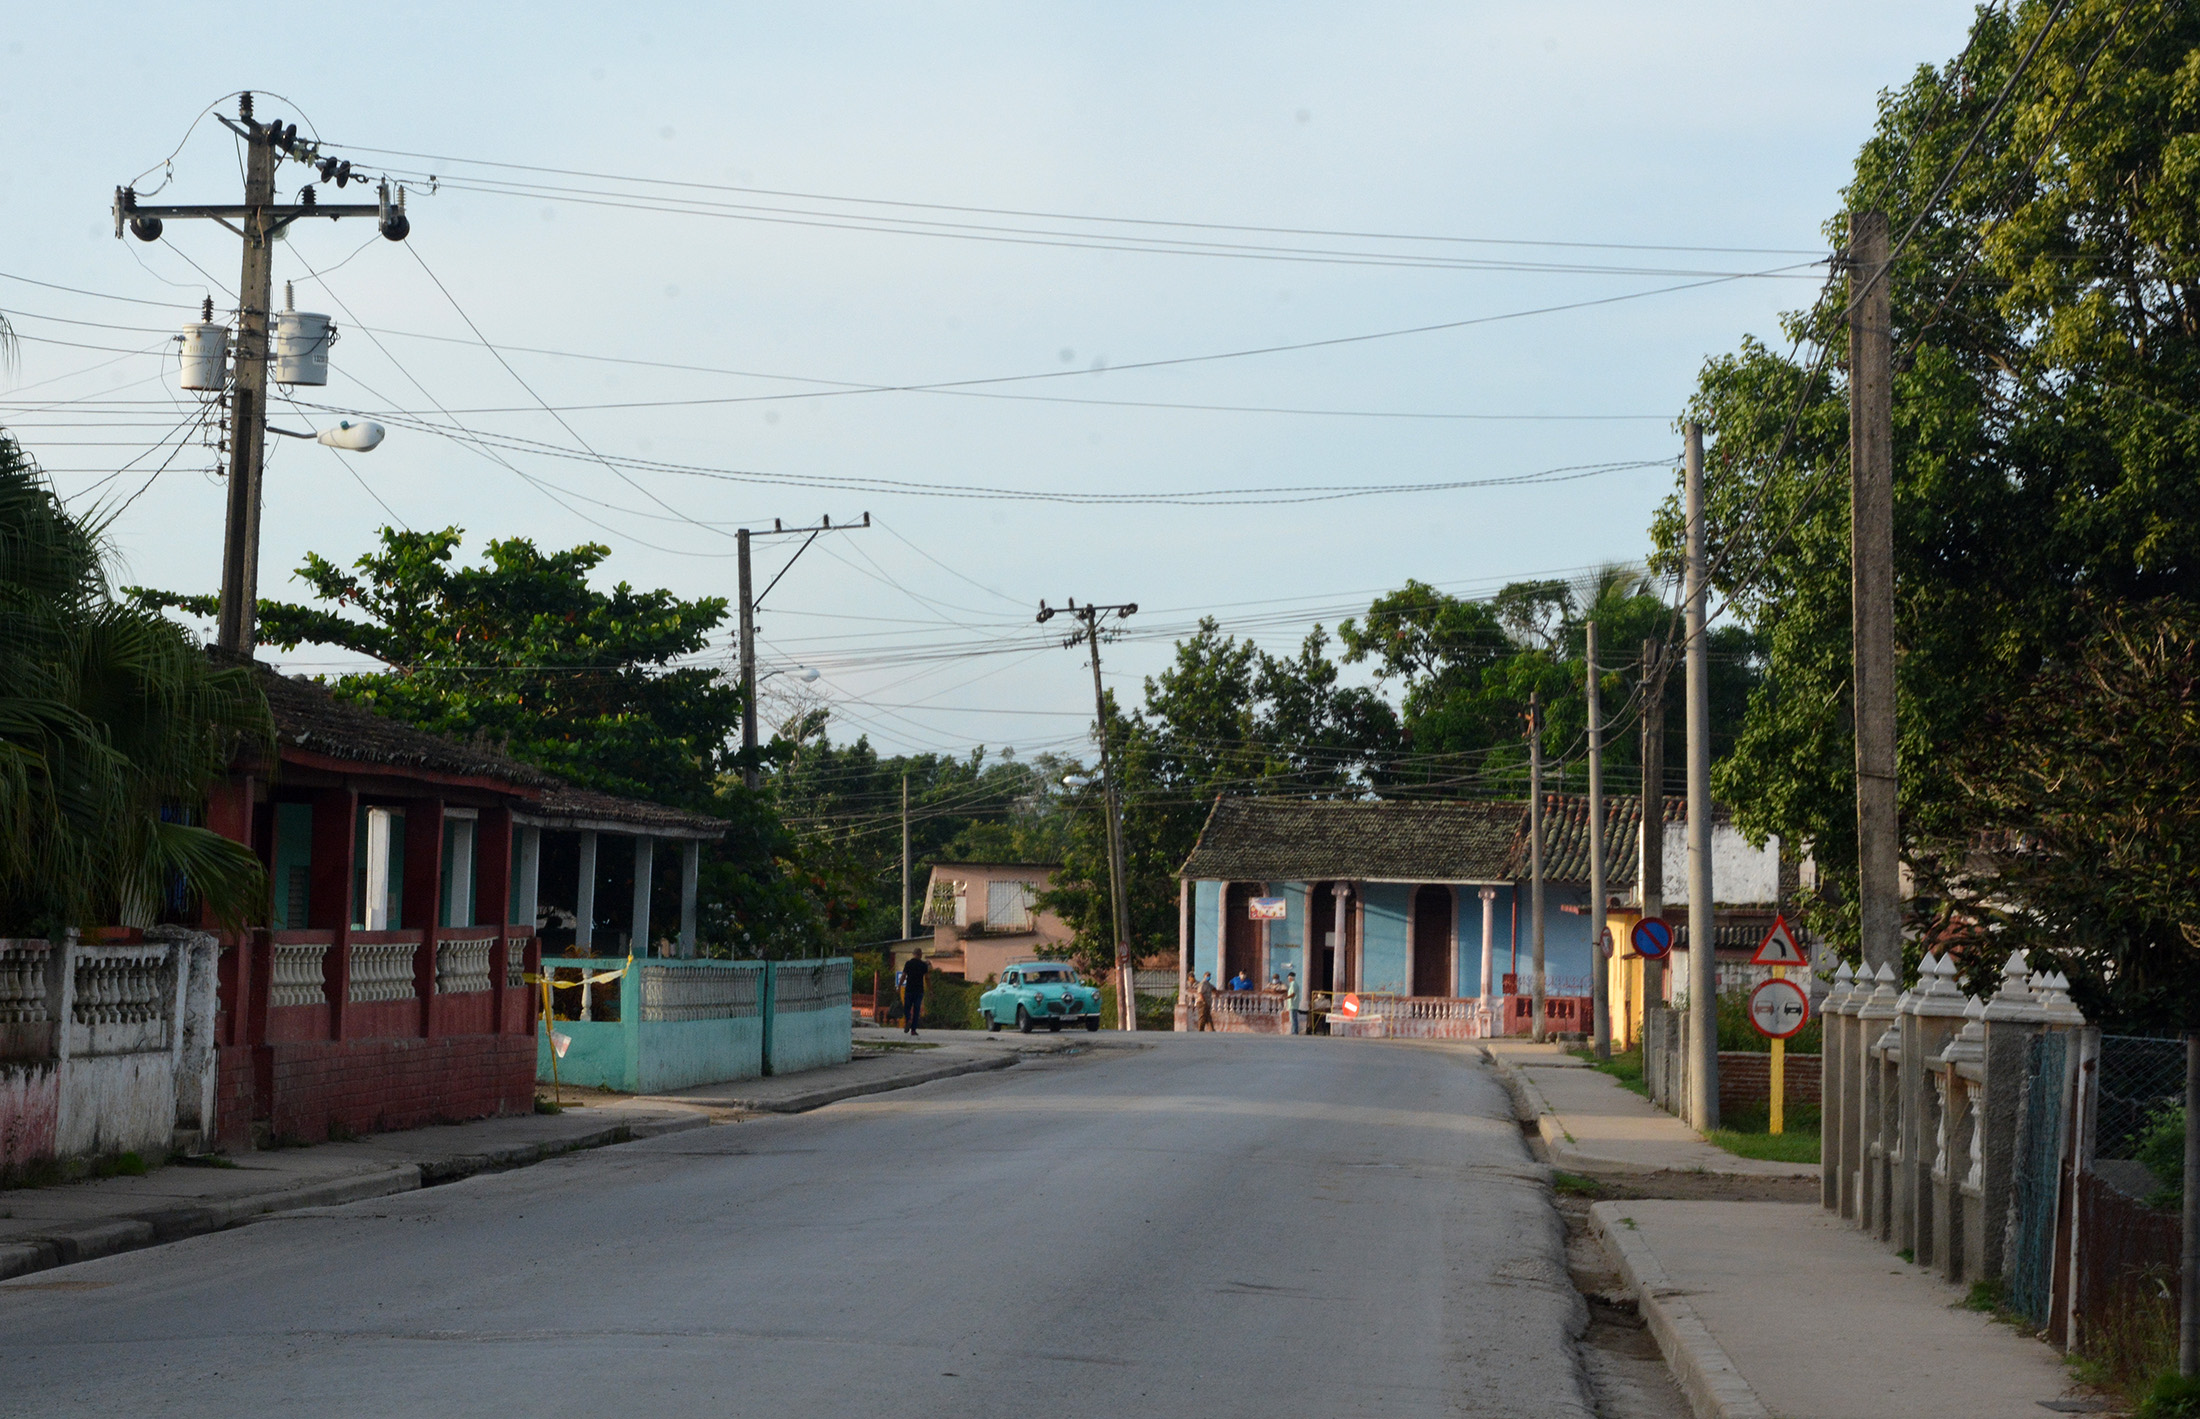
(45, 1227)
(1593, 1125)
(1764, 1308)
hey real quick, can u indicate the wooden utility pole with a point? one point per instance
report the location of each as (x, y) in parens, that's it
(746, 629)
(1600, 1013)
(1703, 962)
(751, 771)
(1871, 570)
(1125, 959)
(1650, 845)
(259, 222)
(905, 857)
(1535, 858)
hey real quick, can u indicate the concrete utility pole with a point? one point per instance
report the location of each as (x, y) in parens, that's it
(2188, 1317)
(259, 221)
(1535, 856)
(1871, 570)
(751, 772)
(1703, 964)
(1600, 1011)
(1650, 843)
(1126, 986)
(905, 857)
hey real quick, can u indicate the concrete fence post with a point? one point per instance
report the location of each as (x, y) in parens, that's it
(1875, 1020)
(1833, 1081)
(2013, 1018)
(1935, 1012)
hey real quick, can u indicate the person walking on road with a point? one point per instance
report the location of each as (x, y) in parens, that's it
(913, 972)
(1207, 1001)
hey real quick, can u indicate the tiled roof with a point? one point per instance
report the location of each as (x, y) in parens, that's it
(584, 805)
(1566, 837)
(308, 717)
(1295, 840)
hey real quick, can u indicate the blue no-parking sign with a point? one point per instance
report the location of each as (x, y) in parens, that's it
(1651, 937)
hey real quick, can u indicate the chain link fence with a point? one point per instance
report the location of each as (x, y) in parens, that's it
(2128, 1248)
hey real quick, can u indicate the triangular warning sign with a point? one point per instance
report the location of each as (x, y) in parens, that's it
(1780, 948)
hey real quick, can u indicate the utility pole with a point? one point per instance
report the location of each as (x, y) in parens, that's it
(1126, 989)
(259, 221)
(1535, 855)
(751, 772)
(1650, 843)
(1871, 570)
(905, 857)
(1600, 1010)
(1703, 964)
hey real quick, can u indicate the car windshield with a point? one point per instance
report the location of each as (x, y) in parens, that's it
(1057, 976)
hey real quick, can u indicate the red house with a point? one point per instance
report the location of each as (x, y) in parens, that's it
(407, 883)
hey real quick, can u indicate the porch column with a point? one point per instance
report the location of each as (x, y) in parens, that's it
(493, 905)
(1340, 976)
(329, 895)
(423, 904)
(584, 910)
(645, 865)
(527, 889)
(1489, 939)
(691, 866)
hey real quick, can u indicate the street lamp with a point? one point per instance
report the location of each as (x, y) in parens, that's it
(807, 674)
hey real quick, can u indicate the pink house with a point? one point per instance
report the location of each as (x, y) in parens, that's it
(982, 917)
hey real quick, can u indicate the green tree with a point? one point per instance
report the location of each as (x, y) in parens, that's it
(2047, 328)
(113, 727)
(595, 686)
(1224, 718)
(599, 687)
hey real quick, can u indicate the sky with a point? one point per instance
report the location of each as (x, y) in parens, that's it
(768, 223)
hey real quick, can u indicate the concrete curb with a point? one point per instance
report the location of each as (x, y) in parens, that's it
(819, 1098)
(1714, 1386)
(86, 1241)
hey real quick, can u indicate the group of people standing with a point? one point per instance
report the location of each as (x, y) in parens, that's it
(1200, 992)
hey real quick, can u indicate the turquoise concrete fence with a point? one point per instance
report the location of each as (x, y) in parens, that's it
(673, 1024)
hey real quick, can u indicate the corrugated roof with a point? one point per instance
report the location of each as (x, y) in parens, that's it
(1296, 840)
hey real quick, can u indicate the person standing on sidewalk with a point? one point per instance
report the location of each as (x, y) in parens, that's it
(913, 972)
(1207, 1001)
(1291, 998)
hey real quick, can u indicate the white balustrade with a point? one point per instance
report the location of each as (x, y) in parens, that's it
(23, 983)
(123, 987)
(673, 992)
(462, 965)
(296, 976)
(382, 970)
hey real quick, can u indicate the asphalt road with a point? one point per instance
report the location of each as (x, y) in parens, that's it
(1210, 1226)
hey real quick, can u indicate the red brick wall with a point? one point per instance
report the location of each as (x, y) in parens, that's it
(1745, 1077)
(366, 1086)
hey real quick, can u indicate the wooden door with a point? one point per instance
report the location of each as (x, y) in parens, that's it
(1432, 925)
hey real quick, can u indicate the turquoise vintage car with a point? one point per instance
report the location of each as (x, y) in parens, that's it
(1032, 993)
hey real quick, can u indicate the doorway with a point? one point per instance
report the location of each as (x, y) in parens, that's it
(1433, 911)
(1240, 934)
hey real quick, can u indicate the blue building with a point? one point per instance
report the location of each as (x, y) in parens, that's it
(1396, 898)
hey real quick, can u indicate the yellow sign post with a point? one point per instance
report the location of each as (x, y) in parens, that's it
(1779, 1070)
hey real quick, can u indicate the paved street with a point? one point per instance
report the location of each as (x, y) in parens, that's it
(1210, 1225)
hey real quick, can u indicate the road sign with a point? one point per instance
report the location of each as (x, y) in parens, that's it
(1779, 1009)
(1604, 943)
(1651, 937)
(1265, 908)
(1780, 948)
(1349, 1007)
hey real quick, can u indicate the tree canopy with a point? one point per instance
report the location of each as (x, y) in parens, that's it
(2047, 336)
(114, 725)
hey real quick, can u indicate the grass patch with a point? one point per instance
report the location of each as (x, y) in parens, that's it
(1744, 1133)
(121, 1165)
(547, 1106)
(1985, 1296)
(2173, 1397)
(203, 1160)
(1574, 1185)
(1624, 1065)
(898, 1044)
